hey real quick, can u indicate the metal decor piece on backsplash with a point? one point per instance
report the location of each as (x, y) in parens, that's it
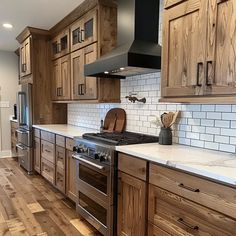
(132, 98)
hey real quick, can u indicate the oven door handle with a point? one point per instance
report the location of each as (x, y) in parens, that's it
(80, 158)
(20, 147)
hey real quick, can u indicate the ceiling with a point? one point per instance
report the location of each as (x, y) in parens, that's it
(35, 13)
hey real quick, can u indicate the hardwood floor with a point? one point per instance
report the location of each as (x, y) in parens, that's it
(31, 206)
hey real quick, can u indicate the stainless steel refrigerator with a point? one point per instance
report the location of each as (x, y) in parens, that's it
(24, 132)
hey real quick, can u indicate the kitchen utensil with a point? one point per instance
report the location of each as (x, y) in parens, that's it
(115, 120)
(174, 118)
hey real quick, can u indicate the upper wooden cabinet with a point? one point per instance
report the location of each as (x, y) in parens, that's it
(84, 31)
(61, 82)
(60, 44)
(198, 57)
(83, 87)
(25, 57)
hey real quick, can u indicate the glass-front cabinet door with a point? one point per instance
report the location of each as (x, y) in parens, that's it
(84, 31)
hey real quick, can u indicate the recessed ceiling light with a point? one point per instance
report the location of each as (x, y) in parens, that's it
(106, 72)
(7, 26)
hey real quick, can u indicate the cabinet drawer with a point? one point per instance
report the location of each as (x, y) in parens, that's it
(213, 195)
(60, 157)
(48, 151)
(170, 3)
(50, 137)
(14, 125)
(48, 170)
(69, 144)
(155, 231)
(132, 165)
(60, 141)
(37, 133)
(60, 179)
(179, 216)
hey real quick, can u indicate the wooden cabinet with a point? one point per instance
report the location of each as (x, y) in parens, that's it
(37, 155)
(71, 176)
(183, 55)
(83, 87)
(60, 168)
(131, 197)
(131, 206)
(25, 57)
(48, 170)
(61, 82)
(14, 127)
(84, 30)
(179, 216)
(198, 51)
(61, 44)
(155, 231)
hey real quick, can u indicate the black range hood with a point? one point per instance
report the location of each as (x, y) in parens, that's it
(138, 51)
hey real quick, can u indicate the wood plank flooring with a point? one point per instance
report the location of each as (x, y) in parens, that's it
(31, 206)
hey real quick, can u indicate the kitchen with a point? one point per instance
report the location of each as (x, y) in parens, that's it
(100, 102)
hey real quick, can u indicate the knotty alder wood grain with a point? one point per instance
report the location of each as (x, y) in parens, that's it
(30, 206)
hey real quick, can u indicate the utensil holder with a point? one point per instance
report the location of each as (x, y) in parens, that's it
(165, 136)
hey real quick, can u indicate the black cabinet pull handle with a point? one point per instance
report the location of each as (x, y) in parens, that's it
(57, 93)
(195, 190)
(208, 82)
(78, 89)
(181, 221)
(82, 35)
(198, 73)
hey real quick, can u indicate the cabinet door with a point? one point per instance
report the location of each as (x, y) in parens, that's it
(22, 60)
(28, 58)
(64, 90)
(83, 87)
(60, 157)
(70, 176)
(56, 79)
(60, 179)
(184, 46)
(131, 206)
(221, 42)
(37, 155)
(84, 31)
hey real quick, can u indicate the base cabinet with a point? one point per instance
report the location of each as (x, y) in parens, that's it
(70, 176)
(155, 231)
(14, 126)
(37, 155)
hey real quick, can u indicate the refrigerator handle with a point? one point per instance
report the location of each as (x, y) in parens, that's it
(21, 108)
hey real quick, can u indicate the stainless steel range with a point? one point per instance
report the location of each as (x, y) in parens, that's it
(97, 176)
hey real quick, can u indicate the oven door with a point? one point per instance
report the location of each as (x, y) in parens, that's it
(25, 157)
(95, 195)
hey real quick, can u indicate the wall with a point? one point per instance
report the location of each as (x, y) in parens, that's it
(8, 90)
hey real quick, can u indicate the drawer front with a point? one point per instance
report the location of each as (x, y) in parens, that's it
(132, 165)
(47, 136)
(213, 195)
(60, 180)
(60, 157)
(155, 231)
(14, 125)
(179, 216)
(60, 141)
(37, 133)
(48, 151)
(48, 171)
(69, 144)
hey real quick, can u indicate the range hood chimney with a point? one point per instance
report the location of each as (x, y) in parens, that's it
(138, 50)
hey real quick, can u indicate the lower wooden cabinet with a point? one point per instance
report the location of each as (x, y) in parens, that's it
(131, 206)
(48, 170)
(70, 176)
(14, 126)
(37, 155)
(179, 216)
(60, 179)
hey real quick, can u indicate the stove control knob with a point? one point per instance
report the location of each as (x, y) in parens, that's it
(103, 157)
(96, 156)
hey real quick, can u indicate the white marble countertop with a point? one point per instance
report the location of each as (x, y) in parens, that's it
(216, 165)
(69, 131)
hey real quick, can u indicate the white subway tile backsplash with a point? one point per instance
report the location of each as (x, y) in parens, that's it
(206, 126)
